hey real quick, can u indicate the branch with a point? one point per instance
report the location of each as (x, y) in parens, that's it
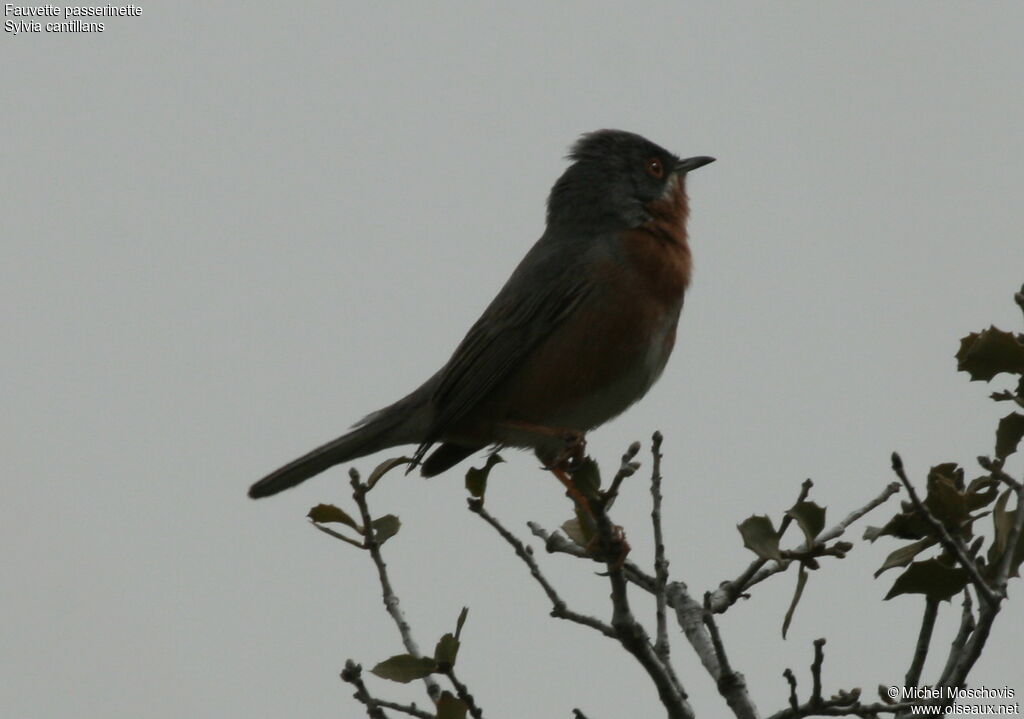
(661, 645)
(559, 608)
(391, 603)
(630, 633)
(352, 674)
(731, 684)
(967, 626)
(951, 545)
(924, 640)
(729, 592)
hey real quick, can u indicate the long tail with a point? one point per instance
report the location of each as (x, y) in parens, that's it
(387, 428)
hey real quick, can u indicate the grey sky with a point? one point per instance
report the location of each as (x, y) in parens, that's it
(232, 229)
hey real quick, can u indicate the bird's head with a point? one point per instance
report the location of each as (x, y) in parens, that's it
(614, 179)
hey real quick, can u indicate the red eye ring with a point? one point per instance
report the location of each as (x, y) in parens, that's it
(654, 168)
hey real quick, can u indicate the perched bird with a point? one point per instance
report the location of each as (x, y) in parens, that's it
(580, 331)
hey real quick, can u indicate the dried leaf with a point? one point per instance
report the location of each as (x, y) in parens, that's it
(461, 620)
(383, 468)
(801, 582)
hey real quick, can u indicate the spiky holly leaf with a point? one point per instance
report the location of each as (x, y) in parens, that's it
(760, 537)
(405, 668)
(324, 513)
(1008, 434)
(810, 517)
(476, 478)
(985, 354)
(931, 578)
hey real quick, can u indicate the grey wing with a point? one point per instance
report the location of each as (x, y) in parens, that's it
(520, 317)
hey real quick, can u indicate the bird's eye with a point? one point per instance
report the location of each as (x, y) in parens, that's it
(654, 168)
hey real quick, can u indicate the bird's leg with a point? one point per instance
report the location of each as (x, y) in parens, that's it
(563, 465)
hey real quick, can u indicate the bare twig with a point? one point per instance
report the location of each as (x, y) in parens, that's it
(794, 703)
(559, 608)
(731, 684)
(661, 645)
(967, 625)
(951, 545)
(628, 630)
(353, 674)
(995, 468)
(463, 693)
(391, 603)
(819, 659)
(924, 640)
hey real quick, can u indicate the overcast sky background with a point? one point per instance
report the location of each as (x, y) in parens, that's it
(230, 230)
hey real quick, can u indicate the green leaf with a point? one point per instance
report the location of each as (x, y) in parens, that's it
(1009, 434)
(476, 479)
(801, 582)
(384, 467)
(384, 528)
(461, 621)
(931, 578)
(405, 668)
(904, 555)
(985, 354)
(324, 513)
(810, 517)
(450, 706)
(446, 650)
(759, 536)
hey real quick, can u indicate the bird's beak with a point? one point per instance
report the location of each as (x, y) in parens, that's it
(692, 163)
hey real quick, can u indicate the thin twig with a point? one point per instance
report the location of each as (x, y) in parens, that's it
(995, 468)
(731, 684)
(559, 608)
(794, 703)
(627, 468)
(951, 545)
(661, 645)
(967, 626)
(463, 693)
(819, 659)
(391, 603)
(924, 640)
(353, 674)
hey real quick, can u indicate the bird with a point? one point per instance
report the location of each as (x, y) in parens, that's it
(580, 331)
